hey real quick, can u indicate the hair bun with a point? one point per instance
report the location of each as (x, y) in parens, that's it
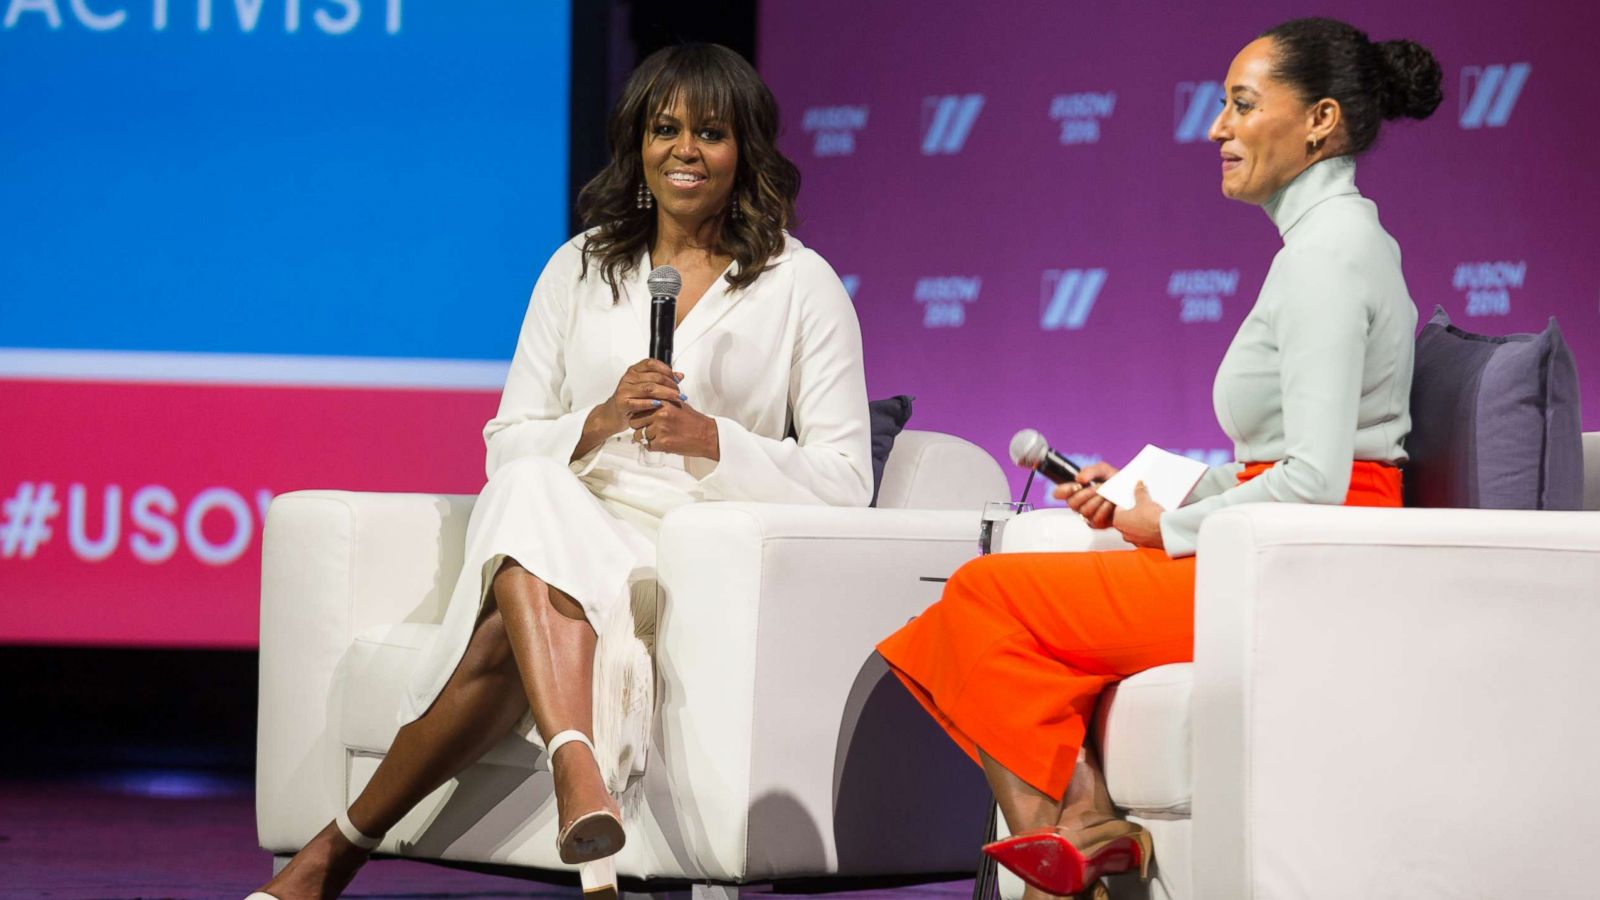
(1411, 80)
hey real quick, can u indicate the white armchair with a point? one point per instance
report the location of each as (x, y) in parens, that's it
(781, 748)
(1384, 703)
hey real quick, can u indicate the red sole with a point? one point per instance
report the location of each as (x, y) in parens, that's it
(1050, 862)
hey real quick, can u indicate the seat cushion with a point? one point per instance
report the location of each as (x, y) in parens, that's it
(1143, 731)
(372, 677)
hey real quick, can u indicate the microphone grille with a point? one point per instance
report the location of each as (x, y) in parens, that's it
(1027, 448)
(665, 281)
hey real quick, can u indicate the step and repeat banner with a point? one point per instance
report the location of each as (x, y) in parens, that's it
(1023, 201)
(251, 246)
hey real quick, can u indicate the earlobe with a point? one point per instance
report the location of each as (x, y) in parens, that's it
(1324, 121)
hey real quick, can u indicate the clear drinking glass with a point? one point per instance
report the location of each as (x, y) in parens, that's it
(995, 515)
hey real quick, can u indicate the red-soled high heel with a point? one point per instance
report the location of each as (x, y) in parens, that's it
(1050, 862)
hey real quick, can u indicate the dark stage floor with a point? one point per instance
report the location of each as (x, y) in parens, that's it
(177, 834)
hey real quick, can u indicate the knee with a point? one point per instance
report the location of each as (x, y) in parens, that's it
(975, 580)
(491, 652)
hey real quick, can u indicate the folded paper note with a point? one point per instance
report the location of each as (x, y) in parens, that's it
(1167, 476)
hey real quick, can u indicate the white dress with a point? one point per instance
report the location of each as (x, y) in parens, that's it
(786, 350)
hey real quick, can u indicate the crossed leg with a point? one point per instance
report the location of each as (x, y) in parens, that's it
(531, 646)
(1084, 810)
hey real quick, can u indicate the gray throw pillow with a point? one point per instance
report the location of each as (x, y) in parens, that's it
(1494, 421)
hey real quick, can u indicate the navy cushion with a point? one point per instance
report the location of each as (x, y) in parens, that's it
(889, 418)
(1495, 421)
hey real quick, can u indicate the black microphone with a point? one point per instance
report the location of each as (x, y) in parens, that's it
(664, 282)
(1030, 451)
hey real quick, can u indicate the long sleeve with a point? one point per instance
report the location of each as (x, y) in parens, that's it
(536, 415)
(831, 462)
(1319, 321)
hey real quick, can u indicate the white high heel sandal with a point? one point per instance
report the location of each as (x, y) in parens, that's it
(351, 834)
(592, 839)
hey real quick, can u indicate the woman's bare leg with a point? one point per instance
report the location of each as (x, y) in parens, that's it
(554, 647)
(1084, 811)
(477, 707)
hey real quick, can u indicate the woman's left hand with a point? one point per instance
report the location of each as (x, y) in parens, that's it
(677, 428)
(1140, 524)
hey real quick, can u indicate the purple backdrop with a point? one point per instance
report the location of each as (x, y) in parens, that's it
(1022, 200)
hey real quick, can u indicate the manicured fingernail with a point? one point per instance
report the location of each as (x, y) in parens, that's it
(677, 376)
(656, 402)
(683, 396)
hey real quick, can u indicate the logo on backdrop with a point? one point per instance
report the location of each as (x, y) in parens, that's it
(946, 122)
(247, 14)
(1199, 293)
(834, 128)
(155, 527)
(944, 299)
(1489, 93)
(1066, 297)
(1080, 115)
(851, 284)
(1488, 285)
(1198, 103)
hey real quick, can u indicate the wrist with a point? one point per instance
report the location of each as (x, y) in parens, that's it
(713, 440)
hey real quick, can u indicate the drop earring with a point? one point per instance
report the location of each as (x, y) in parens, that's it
(644, 200)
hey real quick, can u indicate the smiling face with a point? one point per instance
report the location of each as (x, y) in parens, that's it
(1264, 129)
(689, 164)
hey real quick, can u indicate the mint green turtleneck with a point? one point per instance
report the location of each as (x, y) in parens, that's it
(1319, 374)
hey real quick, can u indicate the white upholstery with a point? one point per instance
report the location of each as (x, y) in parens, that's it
(1385, 703)
(1591, 470)
(782, 748)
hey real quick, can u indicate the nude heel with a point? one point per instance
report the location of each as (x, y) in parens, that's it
(598, 878)
(594, 835)
(351, 833)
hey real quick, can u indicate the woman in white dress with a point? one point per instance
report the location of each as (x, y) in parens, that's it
(594, 443)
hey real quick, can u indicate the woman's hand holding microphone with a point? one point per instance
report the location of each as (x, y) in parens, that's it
(1140, 525)
(650, 401)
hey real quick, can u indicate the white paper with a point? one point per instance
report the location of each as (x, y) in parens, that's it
(1168, 478)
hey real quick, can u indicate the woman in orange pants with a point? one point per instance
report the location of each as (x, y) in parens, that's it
(1013, 657)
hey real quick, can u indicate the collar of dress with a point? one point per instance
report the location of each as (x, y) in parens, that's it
(1323, 180)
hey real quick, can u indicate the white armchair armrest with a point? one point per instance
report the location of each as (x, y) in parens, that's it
(1395, 702)
(1057, 530)
(765, 658)
(335, 563)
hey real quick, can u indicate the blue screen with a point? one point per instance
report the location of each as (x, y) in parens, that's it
(311, 177)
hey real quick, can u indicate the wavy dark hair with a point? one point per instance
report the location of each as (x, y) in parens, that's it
(1372, 81)
(713, 81)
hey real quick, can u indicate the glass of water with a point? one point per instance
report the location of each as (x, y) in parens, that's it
(996, 513)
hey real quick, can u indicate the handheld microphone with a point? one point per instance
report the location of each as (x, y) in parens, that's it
(1030, 451)
(665, 283)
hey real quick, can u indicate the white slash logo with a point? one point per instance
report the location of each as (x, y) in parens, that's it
(946, 122)
(1197, 104)
(1066, 296)
(1489, 93)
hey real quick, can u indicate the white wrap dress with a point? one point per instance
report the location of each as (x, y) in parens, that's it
(784, 351)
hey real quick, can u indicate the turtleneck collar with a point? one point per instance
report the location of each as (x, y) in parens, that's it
(1334, 177)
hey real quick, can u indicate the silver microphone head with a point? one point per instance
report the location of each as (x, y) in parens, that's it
(1027, 448)
(664, 281)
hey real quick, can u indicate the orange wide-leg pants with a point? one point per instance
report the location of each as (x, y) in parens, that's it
(1014, 655)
